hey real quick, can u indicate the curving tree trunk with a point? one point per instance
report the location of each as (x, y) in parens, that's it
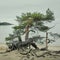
(46, 40)
(27, 38)
(27, 32)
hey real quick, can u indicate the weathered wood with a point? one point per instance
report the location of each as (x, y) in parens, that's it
(22, 44)
(27, 43)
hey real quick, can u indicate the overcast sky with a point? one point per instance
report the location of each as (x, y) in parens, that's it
(9, 9)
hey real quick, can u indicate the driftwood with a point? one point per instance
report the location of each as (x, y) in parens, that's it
(13, 45)
(25, 52)
(22, 44)
(27, 43)
(48, 53)
(43, 49)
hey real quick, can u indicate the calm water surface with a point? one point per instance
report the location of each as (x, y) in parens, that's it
(4, 32)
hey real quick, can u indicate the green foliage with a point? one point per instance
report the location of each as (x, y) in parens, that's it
(18, 27)
(35, 19)
(37, 16)
(8, 38)
(32, 31)
(49, 15)
(43, 28)
(56, 35)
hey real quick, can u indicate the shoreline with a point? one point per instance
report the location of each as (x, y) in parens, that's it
(39, 55)
(3, 46)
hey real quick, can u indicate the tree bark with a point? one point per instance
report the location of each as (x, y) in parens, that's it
(46, 40)
(19, 38)
(27, 32)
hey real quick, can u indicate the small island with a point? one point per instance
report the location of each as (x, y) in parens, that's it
(5, 23)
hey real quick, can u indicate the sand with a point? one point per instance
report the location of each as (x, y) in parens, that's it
(15, 55)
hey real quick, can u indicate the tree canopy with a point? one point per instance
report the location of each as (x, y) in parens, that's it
(35, 19)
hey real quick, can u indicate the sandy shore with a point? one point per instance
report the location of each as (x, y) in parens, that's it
(50, 47)
(15, 55)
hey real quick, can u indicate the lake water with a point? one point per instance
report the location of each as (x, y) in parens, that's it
(6, 30)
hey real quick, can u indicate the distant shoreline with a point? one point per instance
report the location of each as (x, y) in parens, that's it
(5, 23)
